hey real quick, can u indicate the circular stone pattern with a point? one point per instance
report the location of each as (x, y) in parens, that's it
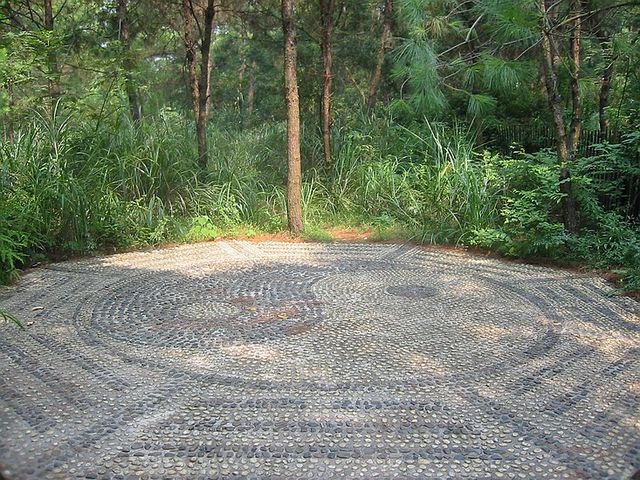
(395, 329)
(412, 291)
(204, 312)
(280, 360)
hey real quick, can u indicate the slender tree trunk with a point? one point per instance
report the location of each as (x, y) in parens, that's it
(52, 59)
(191, 57)
(199, 78)
(240, 83)
(605, 80)
(575, 129)
(570, 209)
(603, 101)
(294, 176)
(566, 141)
(123, 35)
(204, 94)
(385, 39)
(552, 88)
(251, 92)
(326, 33)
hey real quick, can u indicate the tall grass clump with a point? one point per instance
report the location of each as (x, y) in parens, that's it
(46, 178)
(457, 189)
(155, 159)
(424, 177)
(73, 186)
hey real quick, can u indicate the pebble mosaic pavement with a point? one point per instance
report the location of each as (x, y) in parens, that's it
(281, 360)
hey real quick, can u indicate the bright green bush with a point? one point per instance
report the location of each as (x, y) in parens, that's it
(530, 226)
(529, 201)
(202, 228)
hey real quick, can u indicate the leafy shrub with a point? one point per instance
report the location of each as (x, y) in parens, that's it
(201, 229)
(530, 199)
(530, 226)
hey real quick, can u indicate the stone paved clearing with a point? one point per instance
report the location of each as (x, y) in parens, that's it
(281, 360)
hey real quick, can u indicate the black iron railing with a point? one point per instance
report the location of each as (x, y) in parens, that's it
(620, 186)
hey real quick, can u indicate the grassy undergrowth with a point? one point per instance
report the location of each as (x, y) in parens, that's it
(69, 189)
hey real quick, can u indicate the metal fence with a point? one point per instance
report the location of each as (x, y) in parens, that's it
(624, 184)
(534, 137)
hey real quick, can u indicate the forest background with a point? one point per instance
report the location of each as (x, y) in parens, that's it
(509, 126)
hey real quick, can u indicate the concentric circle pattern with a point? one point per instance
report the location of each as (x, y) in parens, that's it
(281, 360)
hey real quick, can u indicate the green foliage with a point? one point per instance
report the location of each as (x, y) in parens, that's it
(456, 193)
(314, 233)
(201, 229)
(613, 242)
(451, 56)
(12, 247)
(16, 220)
(71, 187)
(529, 201)
(529, 225)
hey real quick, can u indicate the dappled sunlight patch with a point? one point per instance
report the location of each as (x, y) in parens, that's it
(493, 332)
(169, 352)
(469, 289)
(425, 363)
(611, 347)
(252, 351)
(205, 258)
(201, 360)
(608, 342)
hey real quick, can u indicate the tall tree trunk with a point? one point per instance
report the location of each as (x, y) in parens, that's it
(570, 209)
(326, 33)
(603, 100)
(294, 175)
(52, 59)
(191, 56)
(385, 39)
(550, 63)
(199, 78)
(123, 35)
(565, 141)
(251, 92)
(204, 94)
(605, 80)
(575, 129)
